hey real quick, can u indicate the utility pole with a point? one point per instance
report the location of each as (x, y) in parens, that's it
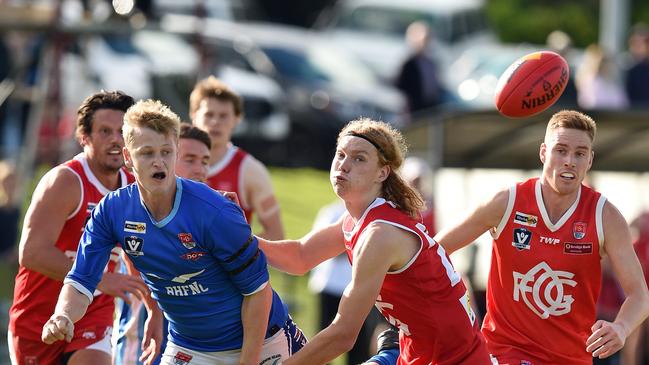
(613, 25)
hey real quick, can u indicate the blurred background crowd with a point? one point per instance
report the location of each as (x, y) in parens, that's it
(305, 68)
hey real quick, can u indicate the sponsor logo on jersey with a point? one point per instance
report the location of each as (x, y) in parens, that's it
(550, 240)
(187, 240)
(186, 277)
(192, 256)
(525, 219)
(522, 239)
(186, 290)
(573, 248)
(579, 230)
(133, 245)
(182, 358)
(134, 227)
(543, 290)
(272, 360)
(31, 360)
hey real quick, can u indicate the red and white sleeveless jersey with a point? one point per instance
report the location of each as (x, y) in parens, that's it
(426, 299)
(226, 175)
(545, 279)
(35, 295)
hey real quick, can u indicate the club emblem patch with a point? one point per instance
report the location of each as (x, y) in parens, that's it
(579, 230)
(187, 240)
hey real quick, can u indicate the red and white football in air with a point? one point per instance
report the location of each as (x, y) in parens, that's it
(531, 84)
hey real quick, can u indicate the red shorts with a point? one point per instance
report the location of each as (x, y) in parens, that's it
(30, 352)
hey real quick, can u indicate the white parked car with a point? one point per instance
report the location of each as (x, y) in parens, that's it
(375, 29)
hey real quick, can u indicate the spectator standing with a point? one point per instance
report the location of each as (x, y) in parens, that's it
(597, 84)
(419, 78)
(637, 75)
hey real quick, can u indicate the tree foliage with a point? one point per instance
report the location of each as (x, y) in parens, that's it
(532, 20)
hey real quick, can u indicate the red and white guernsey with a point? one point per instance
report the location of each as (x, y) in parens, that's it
(426, 299)
(35, 294)
(545, 279)
(226, 175)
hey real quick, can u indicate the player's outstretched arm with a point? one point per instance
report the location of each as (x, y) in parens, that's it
(486, 216)
(259, 194)
(609, 337)
(255, 310)
(297, 257)
(381, 248)
(71, 306)
(54, 199)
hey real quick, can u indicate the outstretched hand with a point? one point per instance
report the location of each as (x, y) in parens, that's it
(119, 285)
(607, 338)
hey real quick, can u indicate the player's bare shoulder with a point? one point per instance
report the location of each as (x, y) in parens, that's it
(59, 188)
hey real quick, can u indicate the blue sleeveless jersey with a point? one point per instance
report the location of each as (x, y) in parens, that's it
(199, 261)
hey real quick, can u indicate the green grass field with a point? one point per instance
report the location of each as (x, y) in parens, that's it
(301, 193)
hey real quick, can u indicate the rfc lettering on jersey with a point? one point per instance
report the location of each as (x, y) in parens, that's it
(543, 290)
(134, 227)
(522, 239)
(133, 245)
(525, 219)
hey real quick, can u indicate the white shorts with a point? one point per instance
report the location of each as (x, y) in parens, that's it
(274, 351)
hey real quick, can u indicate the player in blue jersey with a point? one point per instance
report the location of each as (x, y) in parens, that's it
(192, 162)
(196, 254)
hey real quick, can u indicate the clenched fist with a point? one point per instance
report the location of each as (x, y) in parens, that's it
(58, 327)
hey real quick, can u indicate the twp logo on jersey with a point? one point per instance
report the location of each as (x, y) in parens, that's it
(133, 245)
(182, 358)
(134, 227)
(525, 219)
(383, 307)
(543, 290)
(522, 239)
(550, 240)
(187, 240)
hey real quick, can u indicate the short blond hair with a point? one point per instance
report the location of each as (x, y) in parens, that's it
(211, 87)
(150, 114)
(572, 119)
